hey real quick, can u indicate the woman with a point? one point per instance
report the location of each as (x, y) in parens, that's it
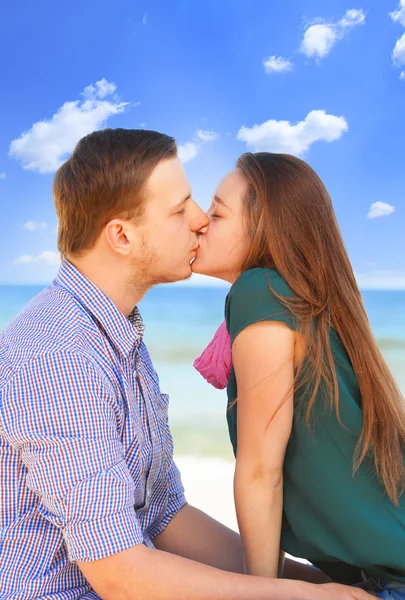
(315, 418)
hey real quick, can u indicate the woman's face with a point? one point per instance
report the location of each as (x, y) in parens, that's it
(223, 243)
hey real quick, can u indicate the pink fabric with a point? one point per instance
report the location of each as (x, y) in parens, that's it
(215, 363)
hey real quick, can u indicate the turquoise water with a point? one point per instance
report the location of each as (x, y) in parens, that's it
(181, 320)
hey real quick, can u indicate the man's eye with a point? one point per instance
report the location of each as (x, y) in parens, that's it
(181, 212)
(214, 216)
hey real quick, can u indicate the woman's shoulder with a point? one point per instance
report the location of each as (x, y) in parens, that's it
(260, 280)
(257, 296)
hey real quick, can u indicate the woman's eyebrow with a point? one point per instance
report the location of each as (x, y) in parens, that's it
(219, 200)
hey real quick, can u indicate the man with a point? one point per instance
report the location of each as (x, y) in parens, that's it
(92, 502)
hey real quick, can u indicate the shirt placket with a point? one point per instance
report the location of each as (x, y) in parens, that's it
(151, 426)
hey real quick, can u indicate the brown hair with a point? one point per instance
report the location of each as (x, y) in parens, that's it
(293, 228)
(104, 179)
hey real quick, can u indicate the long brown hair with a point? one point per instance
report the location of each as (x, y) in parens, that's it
(293, 228)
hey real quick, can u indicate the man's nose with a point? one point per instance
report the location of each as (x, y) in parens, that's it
(201, 221)
(202, 230)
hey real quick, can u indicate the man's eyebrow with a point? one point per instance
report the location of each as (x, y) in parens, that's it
(182, 202)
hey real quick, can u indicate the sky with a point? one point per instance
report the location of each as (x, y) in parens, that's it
(324, 80)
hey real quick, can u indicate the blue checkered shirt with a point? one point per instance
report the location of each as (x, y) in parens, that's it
(86, 454)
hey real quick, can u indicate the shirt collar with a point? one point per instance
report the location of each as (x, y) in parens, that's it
(123, 331)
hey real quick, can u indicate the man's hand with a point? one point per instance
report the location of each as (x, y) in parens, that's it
(336, 591)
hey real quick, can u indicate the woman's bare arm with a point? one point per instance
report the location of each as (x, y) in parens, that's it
(263, 357)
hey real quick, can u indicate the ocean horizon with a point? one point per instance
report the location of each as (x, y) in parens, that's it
(179, 323)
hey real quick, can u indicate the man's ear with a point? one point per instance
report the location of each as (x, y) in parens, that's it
(119, 236)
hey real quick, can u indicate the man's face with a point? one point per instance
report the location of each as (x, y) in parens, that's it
(166, 237)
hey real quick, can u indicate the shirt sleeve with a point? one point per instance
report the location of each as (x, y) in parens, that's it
(176, 496)
(253, 298)
(175, 501)
(62, 414)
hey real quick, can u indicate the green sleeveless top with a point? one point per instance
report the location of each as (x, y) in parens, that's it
(340, 522)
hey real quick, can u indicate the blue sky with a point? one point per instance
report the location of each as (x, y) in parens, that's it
(322, 80)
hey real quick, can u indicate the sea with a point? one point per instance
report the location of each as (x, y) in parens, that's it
(180, 320)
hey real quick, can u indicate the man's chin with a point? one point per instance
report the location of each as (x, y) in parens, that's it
(182, 275)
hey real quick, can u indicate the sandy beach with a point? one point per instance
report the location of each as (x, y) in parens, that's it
(209, 486)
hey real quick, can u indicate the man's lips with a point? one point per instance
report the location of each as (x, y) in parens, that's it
(194, 252)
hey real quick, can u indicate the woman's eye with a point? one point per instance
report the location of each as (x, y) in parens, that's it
(181, 212)
(214, 216)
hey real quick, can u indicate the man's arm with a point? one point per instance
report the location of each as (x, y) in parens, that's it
(193, 534)
(63, 421)
(141, 573)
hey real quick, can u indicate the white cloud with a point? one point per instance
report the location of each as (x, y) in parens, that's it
(3, 176)
(352, 18)
(380, 209)
(282, 136)
(47, 144)
(100, 90)
(277, 64)
(47, 257)
(206, 136)
(190, 150)
(399, 14)
(398, 54)
(381, 280)
(321, 36)
(318, 40)
(144, 20)
(34, 225)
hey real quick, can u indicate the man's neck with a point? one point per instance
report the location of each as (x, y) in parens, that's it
(112, 281)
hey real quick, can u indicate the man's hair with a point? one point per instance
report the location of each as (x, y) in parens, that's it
(105, 179)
